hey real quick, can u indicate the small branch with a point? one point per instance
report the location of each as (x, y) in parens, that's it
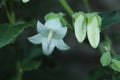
(11, 16)
(113, 75)
(12, 11)
(87, 5)
(7, 12)
(66, 7)
(69, 25)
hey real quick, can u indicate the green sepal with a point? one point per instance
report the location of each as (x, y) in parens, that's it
(115, 65)
(99, 20)
(105, 59)
(75, 15)
(90, 16)
(53, 15)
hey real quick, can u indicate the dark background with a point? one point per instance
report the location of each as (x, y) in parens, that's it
(78, 63)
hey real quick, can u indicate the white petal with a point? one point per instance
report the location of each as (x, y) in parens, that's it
(42, 30)
(80, 28)
(39, 26)
(93, 33)
(61, 45)
(53, 23)
(60, 33)
(25, 1)
(36, 39)
(48, 49)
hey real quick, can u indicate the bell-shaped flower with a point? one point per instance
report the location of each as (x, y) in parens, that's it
(93, 29)
(80, 26)
(50, 35)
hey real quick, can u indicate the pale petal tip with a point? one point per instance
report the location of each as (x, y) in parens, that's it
(36, 39)
(61, 45)
(31, 40)
(47, 53)
(25, 1)
(94, 45)
(80, 40)
(66, 47)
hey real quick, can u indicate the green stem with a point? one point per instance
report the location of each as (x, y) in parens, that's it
(86, 2)
(113, 75)
(11, 16)
(66, 7)
(7, 12)
(12, 11)
(113, 52)
(18, 62)
(69, 25)
(20, 72)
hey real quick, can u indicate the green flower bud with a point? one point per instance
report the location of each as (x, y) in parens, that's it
(93, 29)
(80, 26)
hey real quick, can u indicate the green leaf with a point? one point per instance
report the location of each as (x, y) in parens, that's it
(116, 57)
(105, 59)
(33, 53)
(30, 65)
(115, 65)
(8, 32)
(109, 18)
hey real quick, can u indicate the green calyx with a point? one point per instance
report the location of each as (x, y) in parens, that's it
(53, 15)
(91, 16)
(76, 15)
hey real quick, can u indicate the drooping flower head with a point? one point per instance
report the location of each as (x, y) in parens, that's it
(87, 23)
(51, 34)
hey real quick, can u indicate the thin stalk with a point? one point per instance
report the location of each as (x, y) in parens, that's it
(7, 13)
(66, 7)
(13, 17)
(113, 52)
(19, 72)
(12, 11)
(86, 2)
(113, 75)
(18, 63)
(10, 15)
(69, 25)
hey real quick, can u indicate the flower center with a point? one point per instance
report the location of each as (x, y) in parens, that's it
(50, 35)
